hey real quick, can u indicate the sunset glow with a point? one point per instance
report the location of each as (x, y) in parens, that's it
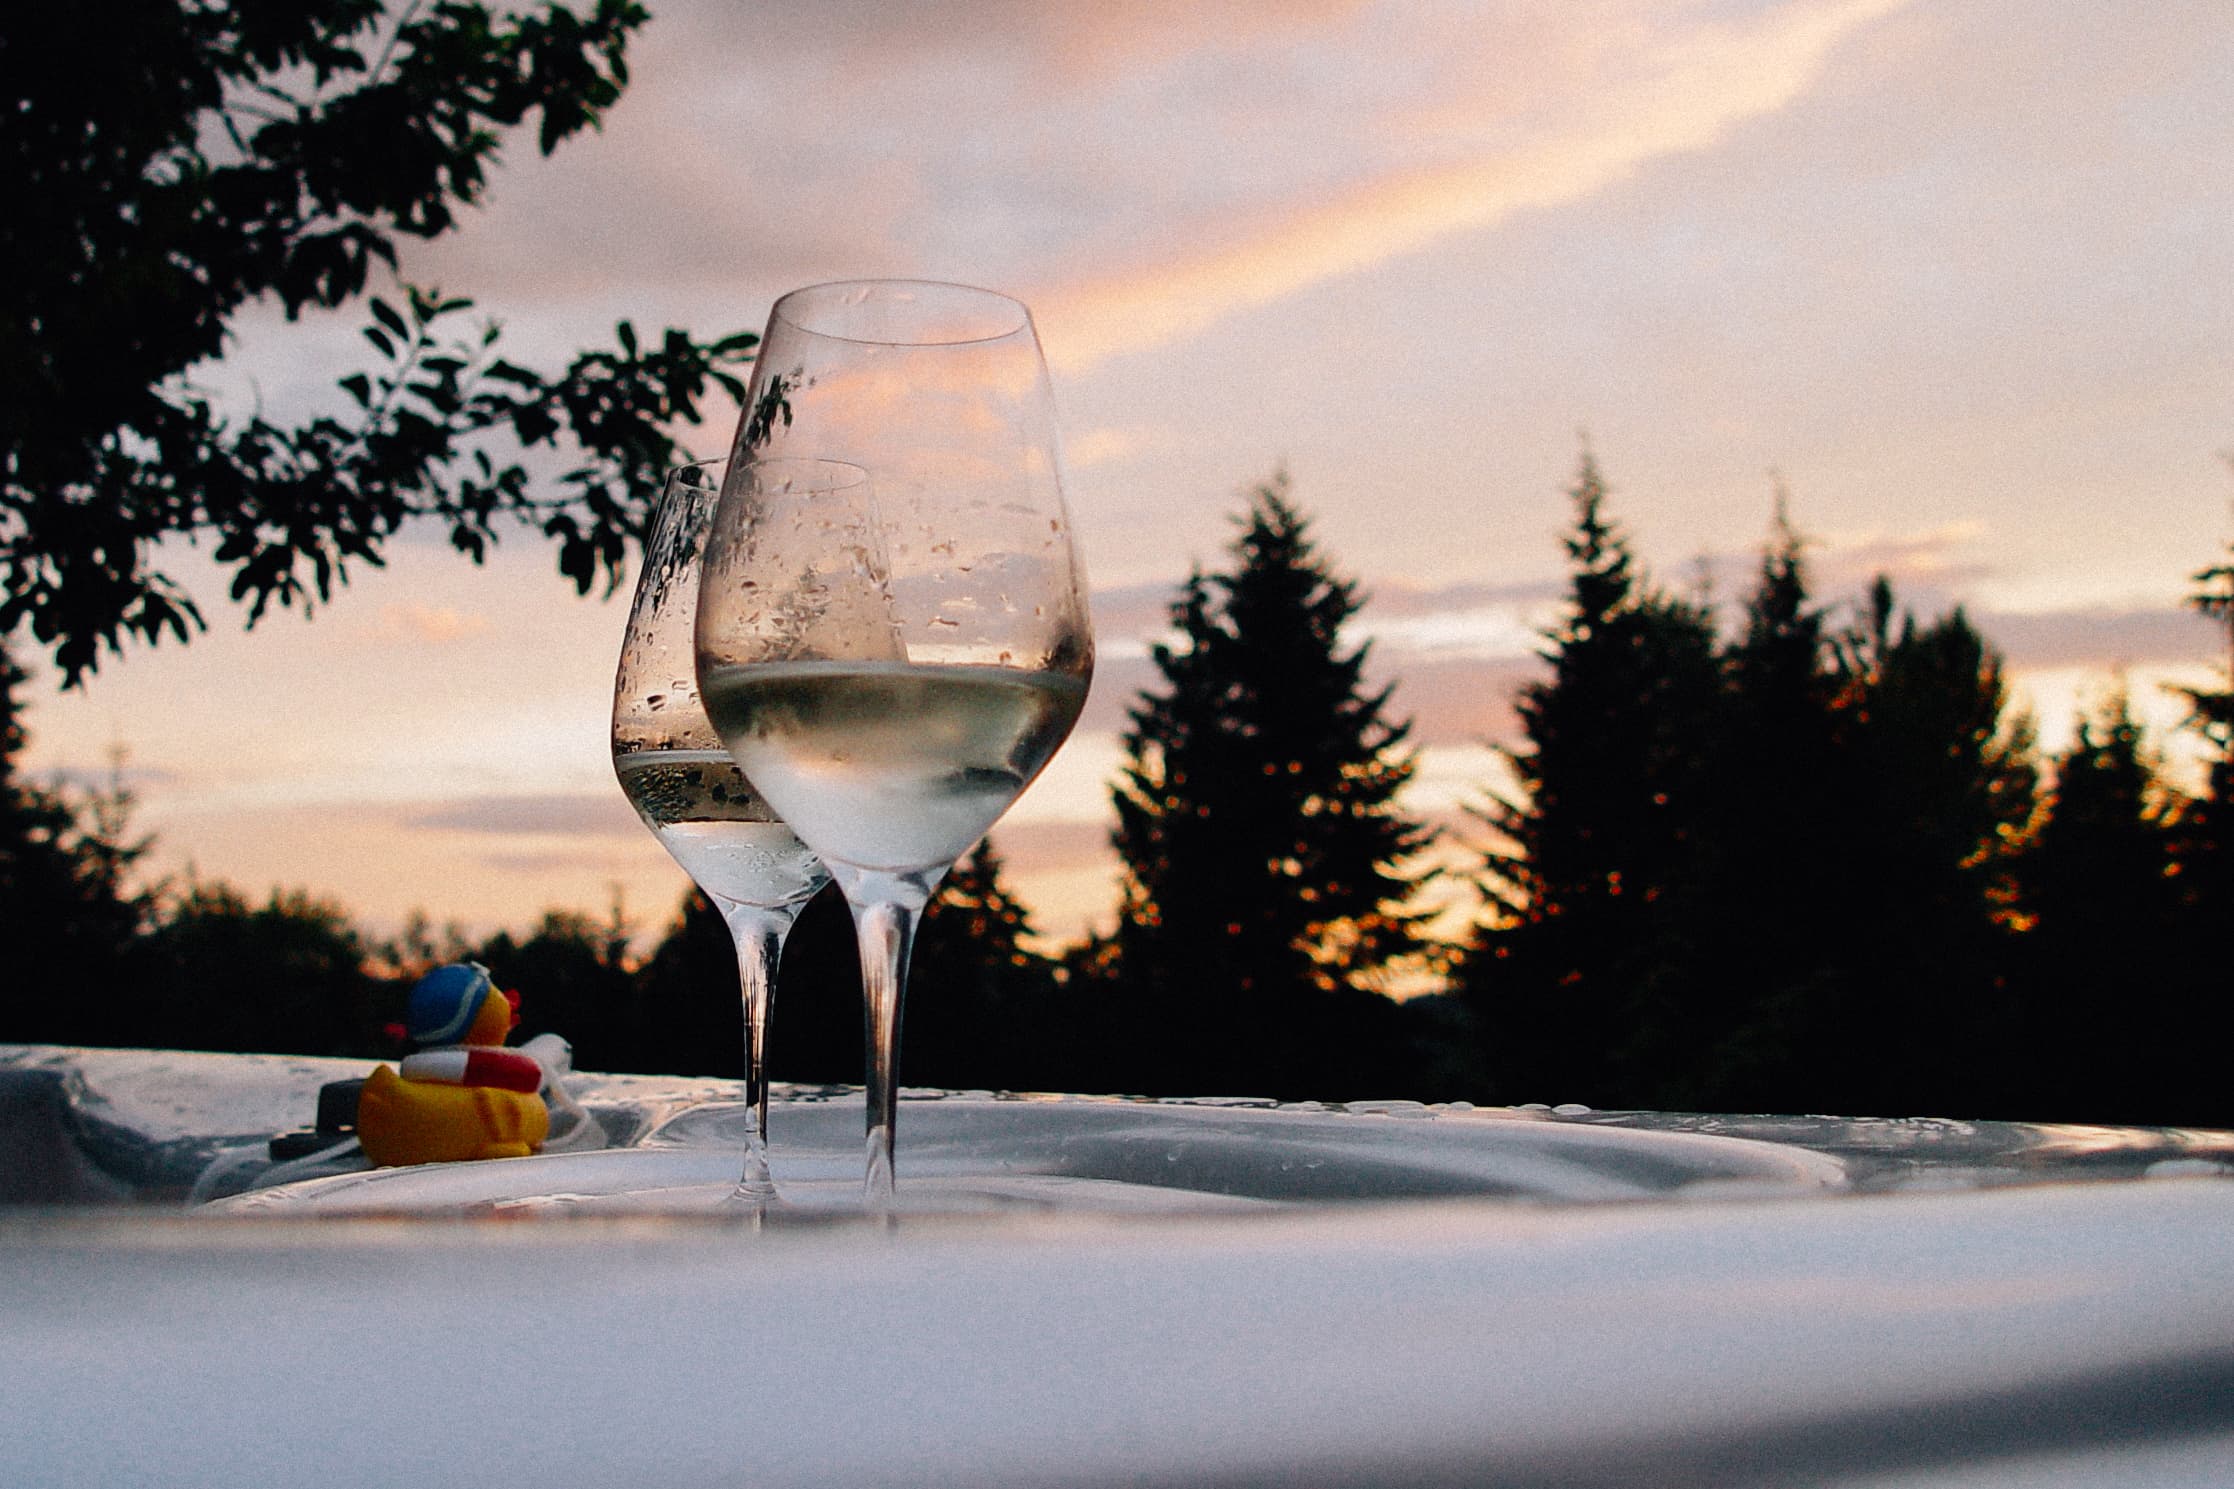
(1953, 277)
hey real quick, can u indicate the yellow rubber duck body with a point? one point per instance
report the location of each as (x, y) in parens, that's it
(467, 1099)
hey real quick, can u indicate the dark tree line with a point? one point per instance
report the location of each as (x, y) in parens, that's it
(1784, 863)
(1817, 867)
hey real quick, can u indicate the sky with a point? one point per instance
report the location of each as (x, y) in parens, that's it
(1954, 274)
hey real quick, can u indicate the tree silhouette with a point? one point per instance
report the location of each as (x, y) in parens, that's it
(573, 979)
(2203, 826)
(67, 917)
(288, 976)
(2099, 906)
(2199, 973)
(983, 1007)
(690, 1017)
(1262, 846)
(1579, 980)
(167, 164)
(1940, 783)
(1766, 903)
(1770, 875)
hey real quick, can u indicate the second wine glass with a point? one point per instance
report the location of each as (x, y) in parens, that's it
(688, 790)
(893, 660)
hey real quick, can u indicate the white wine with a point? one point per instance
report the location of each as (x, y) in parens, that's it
(889, 766)
(716, 826)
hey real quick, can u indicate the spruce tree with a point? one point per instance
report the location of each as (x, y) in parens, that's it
(1941, 794)
(2199, 966)
(1769, 883)
(2099, 907)
(2203, 827)
(981, 1009)
(1580, 978)
(1264, 852)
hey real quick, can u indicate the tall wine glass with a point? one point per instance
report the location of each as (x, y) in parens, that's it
(689, 791)
(893, 661)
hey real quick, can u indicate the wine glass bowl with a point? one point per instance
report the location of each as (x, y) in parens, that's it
(893, 659)
(881, 737)
(940, 393)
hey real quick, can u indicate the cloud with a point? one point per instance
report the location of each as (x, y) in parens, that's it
(758, 148)
(1134, 611)
(1063, 46)
(1394, 598)
(536, 865)
(100, 778)
(604, 814)
(1396, 613)
(433, 625)
(1933, 558)
(1450, 700)
(1685, 97)
(2103, 637)
(1104, 445)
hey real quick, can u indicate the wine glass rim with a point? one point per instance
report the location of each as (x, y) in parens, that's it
(783, 310)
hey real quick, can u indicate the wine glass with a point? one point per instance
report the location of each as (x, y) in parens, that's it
(689, 791)
(893, 660)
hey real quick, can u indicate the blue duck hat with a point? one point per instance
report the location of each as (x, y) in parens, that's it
(444, 1002)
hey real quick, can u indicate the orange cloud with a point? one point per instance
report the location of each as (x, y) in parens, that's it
(1942, 554)
(1693, 94)
(435, 625)
(1102, 445)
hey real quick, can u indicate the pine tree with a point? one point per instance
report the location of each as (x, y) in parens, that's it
(2203, 827)
(1580, 977)
(1264, 852)
(2099, 905)
(1941, 794)
(2198, 965)
(1769, 885)
(982, 1006)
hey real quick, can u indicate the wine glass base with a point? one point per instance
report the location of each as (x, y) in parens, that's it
(969, 1156)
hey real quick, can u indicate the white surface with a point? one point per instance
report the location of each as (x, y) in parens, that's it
(1799, 1341)
(1146, 1293)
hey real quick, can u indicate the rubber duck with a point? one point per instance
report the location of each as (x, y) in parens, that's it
(462, 1095)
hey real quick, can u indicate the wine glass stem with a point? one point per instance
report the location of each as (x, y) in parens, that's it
(886, 908)
(758, 934)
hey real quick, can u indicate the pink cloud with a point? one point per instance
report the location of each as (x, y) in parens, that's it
(1686, 96)
(433, 625)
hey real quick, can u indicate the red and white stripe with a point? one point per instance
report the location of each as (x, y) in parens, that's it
(474, 1065)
